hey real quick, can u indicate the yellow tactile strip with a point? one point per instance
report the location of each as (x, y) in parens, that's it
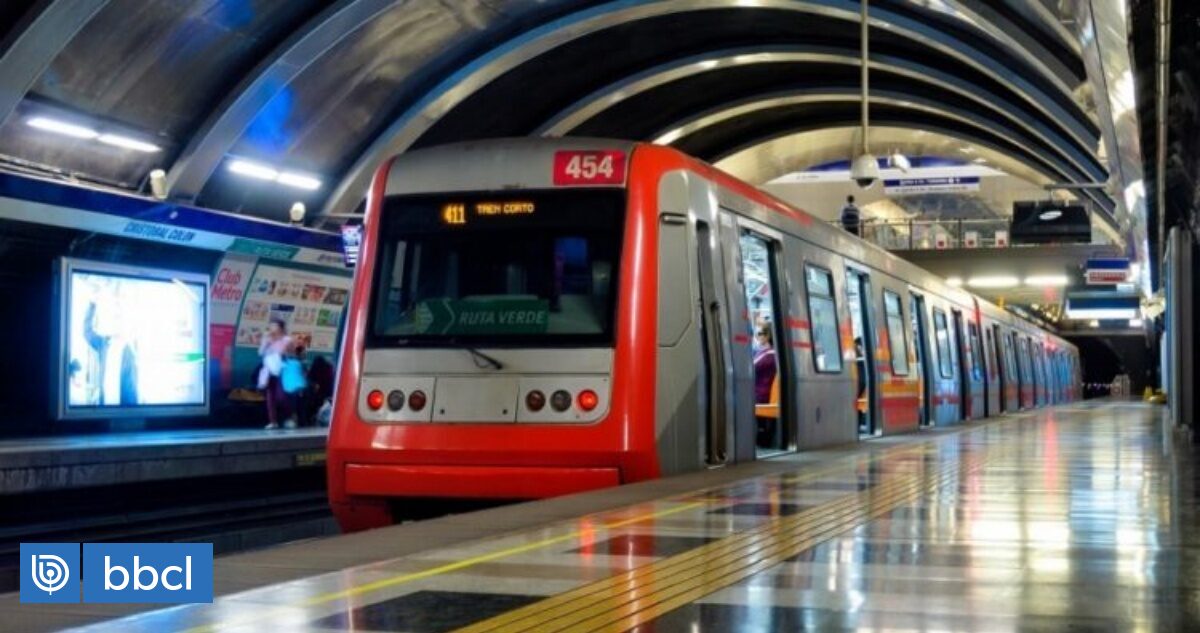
(640, 595)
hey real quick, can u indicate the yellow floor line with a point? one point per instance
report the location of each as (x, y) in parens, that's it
(661, 600)
(728, 553)
(920, 446)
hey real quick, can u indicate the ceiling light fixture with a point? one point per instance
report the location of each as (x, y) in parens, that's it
(262, 172)
(253, 170)
(299, 181)
(996, 281)
(117, 140)
(62, 127)
(956, 282)
(74, 130)
(1047, 281)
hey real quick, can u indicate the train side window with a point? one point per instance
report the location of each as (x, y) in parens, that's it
(942, 334)
(822, 317)
(897, 340)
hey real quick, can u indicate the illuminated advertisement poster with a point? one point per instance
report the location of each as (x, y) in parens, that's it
(310, 304)
(134, 341)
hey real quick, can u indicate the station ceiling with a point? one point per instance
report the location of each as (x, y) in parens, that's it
(328, 89)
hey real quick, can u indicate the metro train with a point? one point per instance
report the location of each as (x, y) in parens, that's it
(536, 317)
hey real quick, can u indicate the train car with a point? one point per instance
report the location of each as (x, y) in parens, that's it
(535, 317)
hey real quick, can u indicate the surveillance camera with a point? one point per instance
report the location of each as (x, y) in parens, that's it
(865, 171)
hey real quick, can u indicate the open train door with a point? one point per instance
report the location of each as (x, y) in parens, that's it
(920, 334)
(964, 368)
(862, 323)
(763, 292)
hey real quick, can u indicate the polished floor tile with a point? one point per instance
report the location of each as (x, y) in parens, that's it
(1078, 518)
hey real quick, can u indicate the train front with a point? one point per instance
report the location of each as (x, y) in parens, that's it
(492, 347)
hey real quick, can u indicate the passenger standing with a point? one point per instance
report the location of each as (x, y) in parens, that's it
(861, 404)
(320, 381)
(851, 217)
(275, 344)
(764, 365)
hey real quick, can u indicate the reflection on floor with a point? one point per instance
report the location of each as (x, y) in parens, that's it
(1073, 519)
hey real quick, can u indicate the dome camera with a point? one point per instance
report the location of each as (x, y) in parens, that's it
(865, 171)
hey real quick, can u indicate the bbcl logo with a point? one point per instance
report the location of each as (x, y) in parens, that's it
(50, 573)
(172, 573)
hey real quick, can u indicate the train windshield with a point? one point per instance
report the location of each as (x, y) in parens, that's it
(533, 268)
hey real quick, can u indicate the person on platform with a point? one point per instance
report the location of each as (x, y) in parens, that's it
(851, 217)
(765, 368)
(274, 346)
(764, 364)
(860, 361)
(320, 381)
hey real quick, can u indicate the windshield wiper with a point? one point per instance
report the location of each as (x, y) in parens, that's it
(487, 360)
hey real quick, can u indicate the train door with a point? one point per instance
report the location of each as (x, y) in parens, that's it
(964, 367)
(920, 335)
(1003, 373)
(715, 383)
(942, 413)
(858, 299)
(1027, 385)
(977, 377)
(991, 384)
(771, 370)
(1039, 384)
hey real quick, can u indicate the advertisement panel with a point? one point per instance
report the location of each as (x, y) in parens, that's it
(310, 304)
(134, 341)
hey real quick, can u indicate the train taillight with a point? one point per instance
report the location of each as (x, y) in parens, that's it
(588, 400)
(416, 400)
(375, 400)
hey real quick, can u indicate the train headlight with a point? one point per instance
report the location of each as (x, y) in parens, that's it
(560, 400)
(588, 400)
(535, 400)
(375, 400)
(416, 400)
(395, 400)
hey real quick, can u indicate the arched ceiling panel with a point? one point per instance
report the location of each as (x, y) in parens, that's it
(763, 162)
(658, 100)
(333, 87)
(727, 137)
(166, 63)
(436, 118)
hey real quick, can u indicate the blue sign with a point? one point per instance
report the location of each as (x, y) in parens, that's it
(1107, 270)
(148, 572)
(931, 185)
(49, 573)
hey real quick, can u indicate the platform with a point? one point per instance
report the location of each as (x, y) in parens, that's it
(1072, 518)
(44, 464)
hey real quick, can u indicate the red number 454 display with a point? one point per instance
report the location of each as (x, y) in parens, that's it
(600, 167)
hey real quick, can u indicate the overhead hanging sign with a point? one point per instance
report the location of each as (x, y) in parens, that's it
(947, 184)
(1107, 271)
